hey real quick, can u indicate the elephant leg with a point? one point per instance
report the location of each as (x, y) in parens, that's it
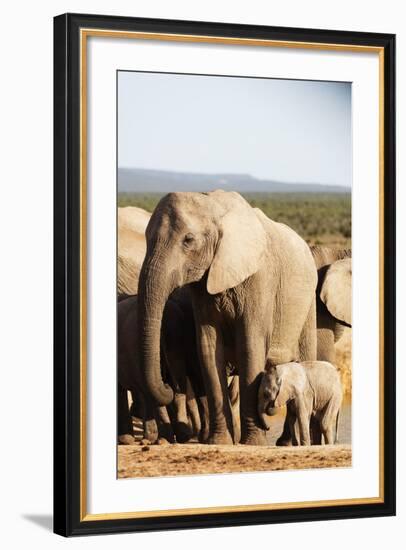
(329, 422)
(285, 439)
(215, 381)
(203, 407)
(195, 387)
(328, 433)
(194, 416)
(181, 425)
(303, 419)
(291, 425)
(163, 421)
(192, 410)
(234, 389)
(176, 372)
(137, 405)
(293, 430)
(315, 431)
(234, 395)
(251, 361)
(325, 345)
(308, 336)
(150, 425)
(124, 422)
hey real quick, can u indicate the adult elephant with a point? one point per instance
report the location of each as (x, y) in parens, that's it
(333, 299)
(131, 224)
(253, 285)
(131, 247)
(334, 268)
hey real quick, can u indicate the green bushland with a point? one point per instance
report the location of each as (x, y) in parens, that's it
(320, 218)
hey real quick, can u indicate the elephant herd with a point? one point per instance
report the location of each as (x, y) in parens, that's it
(225, 315)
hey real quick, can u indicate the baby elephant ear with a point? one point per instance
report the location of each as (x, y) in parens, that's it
(241, 245)
(269, 366)
(336, 293)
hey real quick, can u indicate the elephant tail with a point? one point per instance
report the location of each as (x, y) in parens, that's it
(337, 423)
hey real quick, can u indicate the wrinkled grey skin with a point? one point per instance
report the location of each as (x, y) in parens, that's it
(333, 305)
(131, 243)
(253, 285)
(333, 298)
(181, 331)
(131, 247)
(313, 394)
(175, 342)
(233, 383)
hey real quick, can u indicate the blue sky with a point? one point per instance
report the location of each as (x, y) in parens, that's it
(285, 130)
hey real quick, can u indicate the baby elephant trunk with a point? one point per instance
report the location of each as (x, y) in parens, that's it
(265, 410)
(271, 410)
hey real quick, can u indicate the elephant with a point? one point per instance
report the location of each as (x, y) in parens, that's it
(334, 267)
(234, 396)
(131, 225)
(333, 299)
(252, 283)
(131, 247)
(183, 331)
(178, 349)
(313, 394)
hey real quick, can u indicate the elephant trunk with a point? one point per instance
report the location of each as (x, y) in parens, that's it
(261, 411)
(153, 293)
(264, 421)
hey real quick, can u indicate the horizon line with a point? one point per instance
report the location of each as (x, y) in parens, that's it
(285, 182)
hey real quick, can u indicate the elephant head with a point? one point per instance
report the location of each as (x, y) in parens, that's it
(216, 238)
(279, 384)
(268, 392)
(335, 290)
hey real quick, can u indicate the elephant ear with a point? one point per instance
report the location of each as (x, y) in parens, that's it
(241, 245)
(335, 292)
(283, 394)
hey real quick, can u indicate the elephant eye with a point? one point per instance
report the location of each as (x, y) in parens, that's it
(188, 238)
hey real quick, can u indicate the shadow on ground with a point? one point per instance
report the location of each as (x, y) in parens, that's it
(42, 520)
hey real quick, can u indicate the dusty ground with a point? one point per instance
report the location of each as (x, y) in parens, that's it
(171, 460)
(192, 459)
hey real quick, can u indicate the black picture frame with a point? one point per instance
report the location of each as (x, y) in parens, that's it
(68, 520)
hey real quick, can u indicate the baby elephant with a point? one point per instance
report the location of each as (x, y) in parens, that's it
(313, 394)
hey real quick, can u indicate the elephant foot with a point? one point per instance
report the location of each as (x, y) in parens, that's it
(166, 432)
(220, 439)
(150, 431)
(204, 435)
(163, 441)
(126, 439)
(257, 438)
(203, 438)
(183, 432)
(283, 442)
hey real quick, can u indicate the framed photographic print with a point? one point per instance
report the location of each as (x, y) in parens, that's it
(224, 274)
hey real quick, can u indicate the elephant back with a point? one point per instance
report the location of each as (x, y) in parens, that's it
(131, 247)
(324, 255)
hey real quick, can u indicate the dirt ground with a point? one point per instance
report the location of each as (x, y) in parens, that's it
(194, 459)
(172, 460)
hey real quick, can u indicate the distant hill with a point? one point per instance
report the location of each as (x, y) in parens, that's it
(139, 180)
